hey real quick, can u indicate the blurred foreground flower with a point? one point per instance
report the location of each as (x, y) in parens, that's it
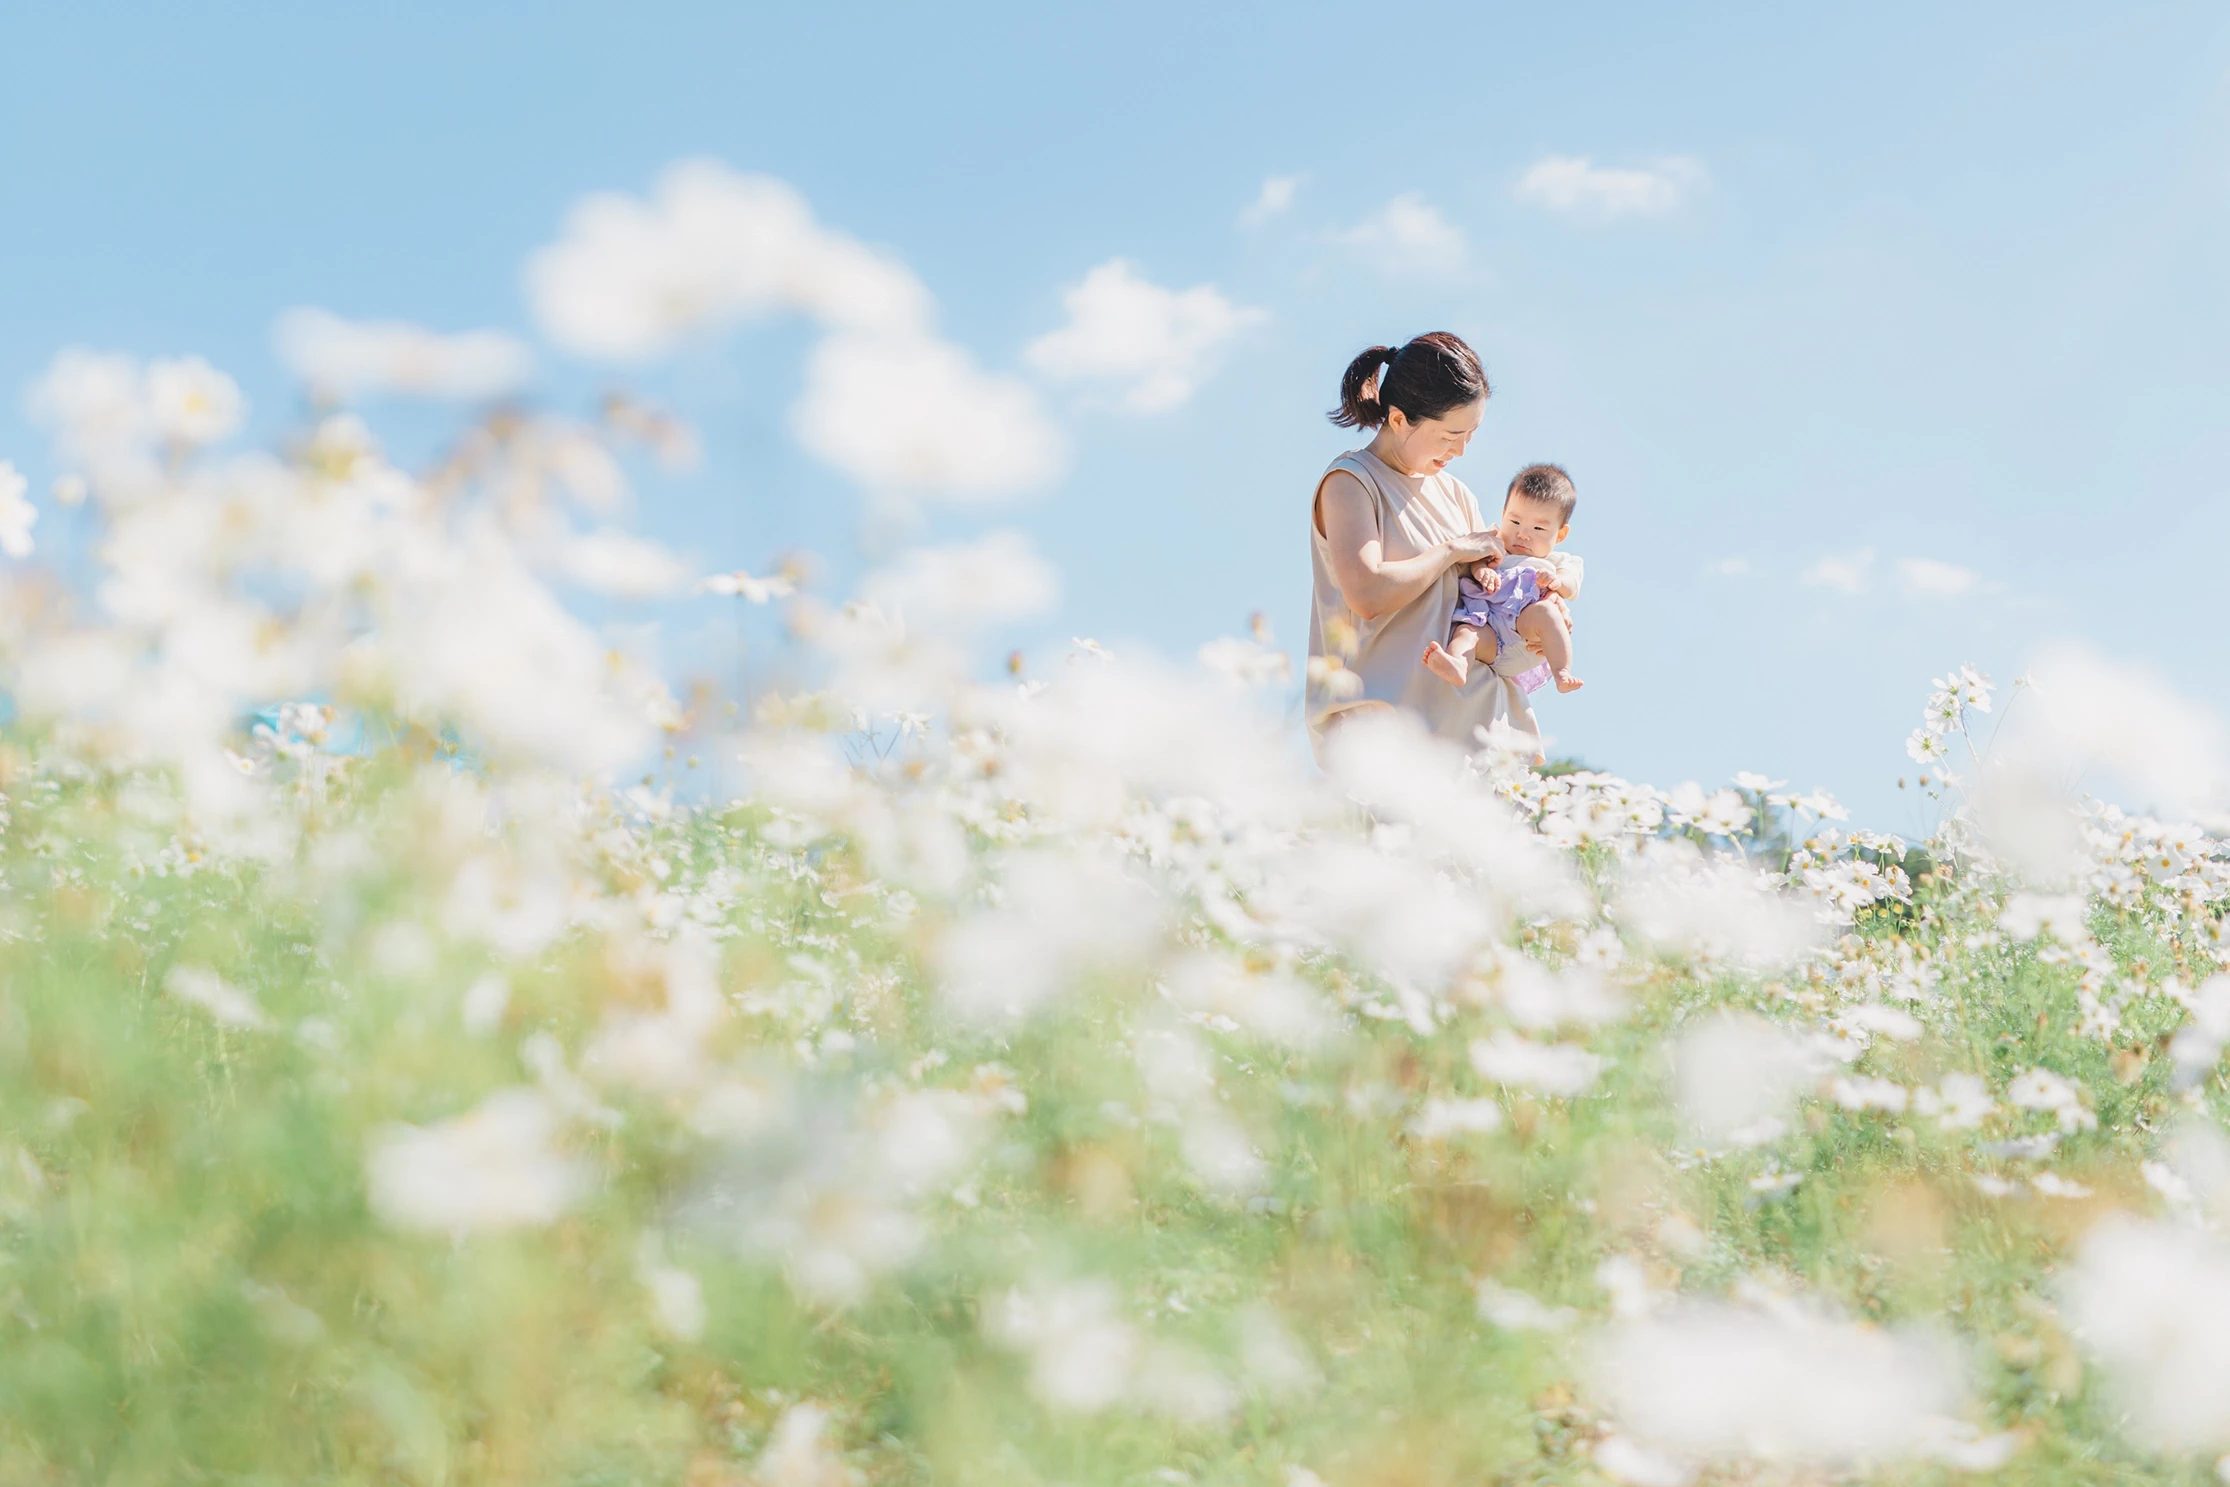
(496, 1167)
(1778, 1380)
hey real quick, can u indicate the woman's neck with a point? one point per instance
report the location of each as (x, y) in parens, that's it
(1384, 451)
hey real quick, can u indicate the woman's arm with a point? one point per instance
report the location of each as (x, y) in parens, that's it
(1372, 584)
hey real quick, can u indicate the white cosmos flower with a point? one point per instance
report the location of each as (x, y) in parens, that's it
(828, 1187)
(209, 991)
(2148, 1300)
(1081, 1351)
(1401, 773)
(2095, 712)
(677, 1300)
(1271, 1003)
(1680, 900)
(1381, 905)
(662, 1051)
(1859, 1093)
(1440, 1119)
(1087, 750)
(742, 585)
(1736, 1077)
(2197, 1046)
(1621, 1460)
(2064, 916)
(1061, 916)
(1724, 814)
(472, 635)
(17, 514)
(1965, 690)
(193, 402)
(1247, 663)
(2041, 1089)
(1548, 1068)
(798, 1454)
(1706, 1381)
(1720, 813)
(95, 402)
(1536, 997)
(496, 1167)
(1959, 1102)
(1516, 1311)
(1867, 1018)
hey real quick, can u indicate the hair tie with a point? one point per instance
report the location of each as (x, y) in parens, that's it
(1391, 353)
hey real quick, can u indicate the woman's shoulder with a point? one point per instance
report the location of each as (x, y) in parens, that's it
(1356, 467)
(1356, 462)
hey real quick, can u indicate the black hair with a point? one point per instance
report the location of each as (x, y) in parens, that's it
(1425, 378)
(1547, 484)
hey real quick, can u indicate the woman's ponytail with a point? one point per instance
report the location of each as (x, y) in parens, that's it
(1424, 378)
(1360, 405)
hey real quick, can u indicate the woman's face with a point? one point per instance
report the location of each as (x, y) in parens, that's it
(1426, 447)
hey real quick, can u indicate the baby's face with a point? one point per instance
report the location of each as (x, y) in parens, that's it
(1530, 529)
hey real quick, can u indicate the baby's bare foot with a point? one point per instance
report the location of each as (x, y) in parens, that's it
(1445, 664)
(1566, 682)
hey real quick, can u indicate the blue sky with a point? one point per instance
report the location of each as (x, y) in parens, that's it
(1940, 283)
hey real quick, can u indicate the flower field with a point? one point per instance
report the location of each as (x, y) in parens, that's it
(1017, 1081)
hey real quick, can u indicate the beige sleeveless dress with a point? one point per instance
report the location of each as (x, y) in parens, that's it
(1354, 660)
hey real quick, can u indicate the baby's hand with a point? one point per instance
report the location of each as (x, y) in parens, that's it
(1487, 578)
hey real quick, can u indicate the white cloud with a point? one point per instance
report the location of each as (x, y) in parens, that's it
(1575, 185)
(2095, 708)
(1408, 234)
(619, 563)
(344, 359)
(1274, 199)
(1846, 573)
(1125, 328)
(629, 278)
(887, 400)
(912, 413)
(963, 586)
(1928, 578)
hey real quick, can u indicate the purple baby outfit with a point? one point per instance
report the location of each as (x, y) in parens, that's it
(1498, 612)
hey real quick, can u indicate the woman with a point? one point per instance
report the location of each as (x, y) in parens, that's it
(1391, 529)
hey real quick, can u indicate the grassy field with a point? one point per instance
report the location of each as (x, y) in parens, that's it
(1034, 1081)
(360, 1163)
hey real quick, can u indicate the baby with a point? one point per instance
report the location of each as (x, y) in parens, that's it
(1499, 607)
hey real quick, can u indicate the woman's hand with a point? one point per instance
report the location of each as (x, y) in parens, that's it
(1371, 583)
(1475, 547)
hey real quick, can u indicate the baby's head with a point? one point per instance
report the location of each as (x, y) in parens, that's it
(1537, 511)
